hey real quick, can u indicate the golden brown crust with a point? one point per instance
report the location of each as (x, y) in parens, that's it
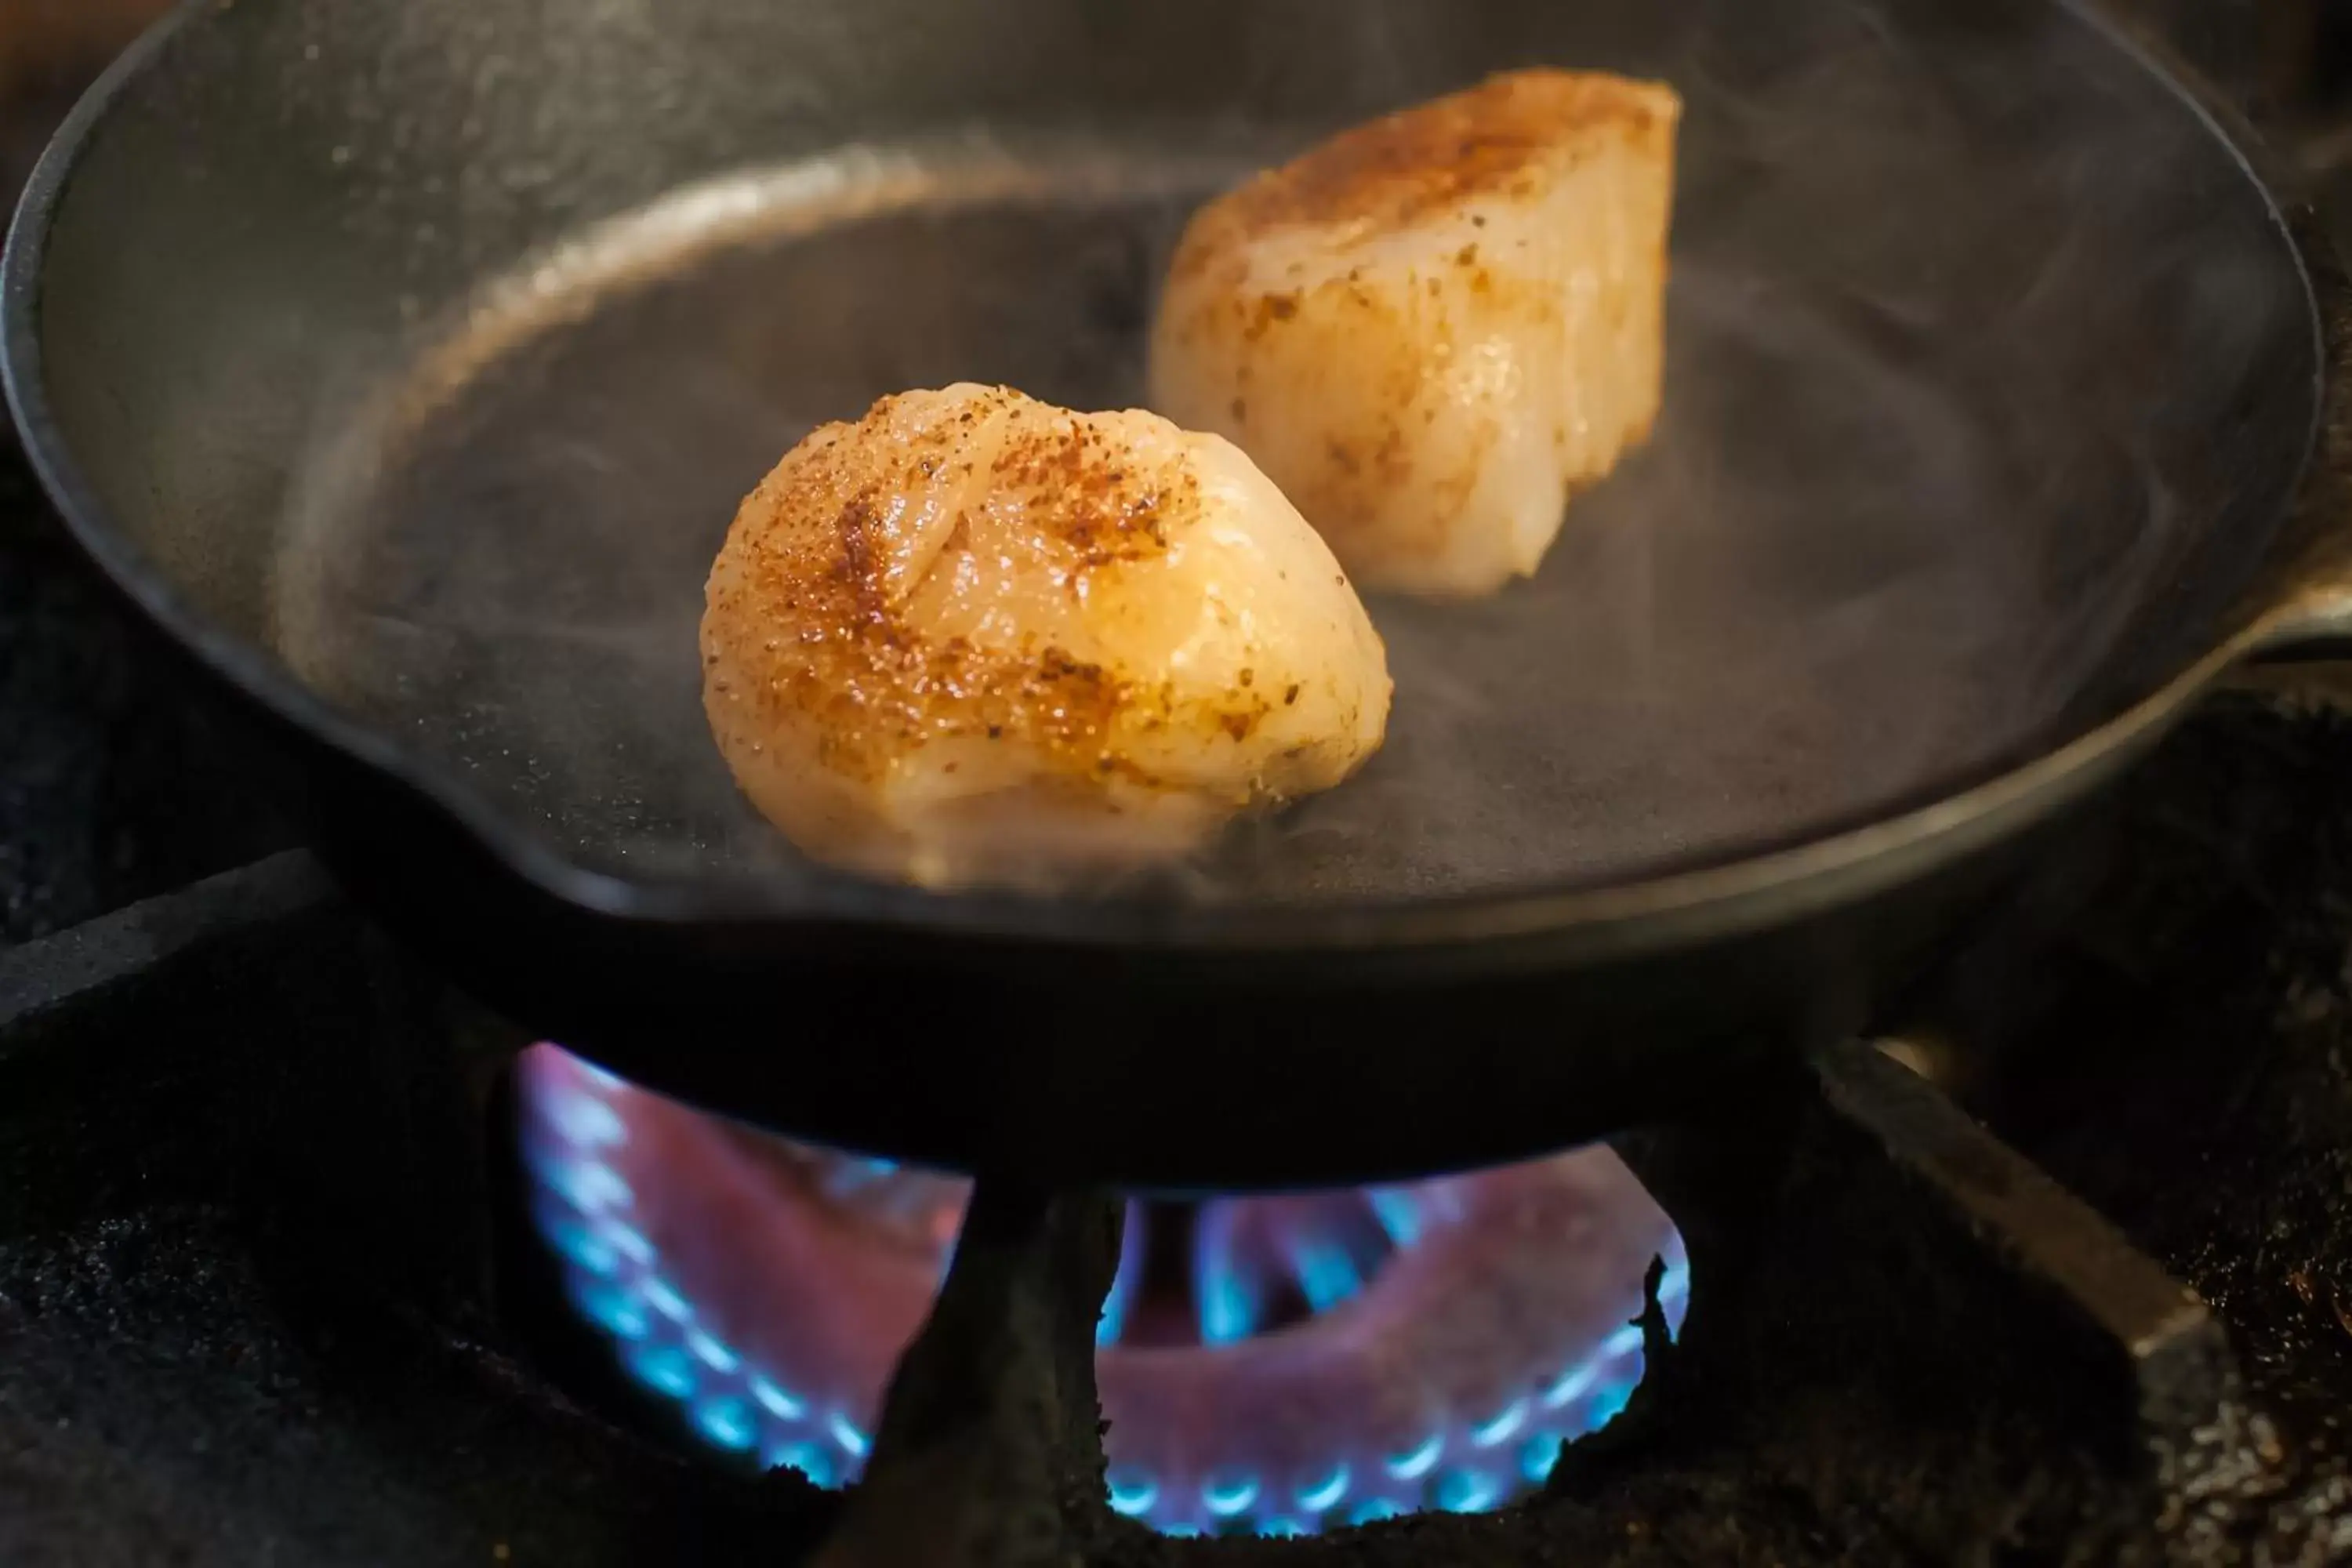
(841, 652)
(1395, 171)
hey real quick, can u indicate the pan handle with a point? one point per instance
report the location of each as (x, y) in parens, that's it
(2311, 606)
(2314, 625)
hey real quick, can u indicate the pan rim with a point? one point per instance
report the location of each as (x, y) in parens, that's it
(1731, 891)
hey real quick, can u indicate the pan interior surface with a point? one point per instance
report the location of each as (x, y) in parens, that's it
(1989, 370)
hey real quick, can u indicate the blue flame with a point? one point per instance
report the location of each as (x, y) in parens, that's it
(619, 1313)
(1112, 1324)
(616, 1278)
(775, 1400)
(1225, 1294)
(710, 1352)
(583, 1247)
(1229, 1495)
(1418, 1462)
(851, 1174)
(728, 1421)
(1321, 1497)
(1326, 1275)
(586, 1121)
(1502, 1427)
(666, 1299)
(1468, 1492)
(1132, 1493)
(665, 1369)
(809, 1459)
(1397, 1212)
(849, 1435)
(1472, 1461)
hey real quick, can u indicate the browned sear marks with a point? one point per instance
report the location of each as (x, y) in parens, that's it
(857, 661)
(1414, 306)
(1391, 171)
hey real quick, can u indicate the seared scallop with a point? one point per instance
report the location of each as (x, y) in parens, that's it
(1433, 330)
(973, 638)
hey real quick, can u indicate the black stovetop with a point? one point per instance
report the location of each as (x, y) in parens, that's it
(266, 1295)
(254, 1308)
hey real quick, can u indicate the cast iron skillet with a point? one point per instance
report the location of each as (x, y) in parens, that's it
(405, 361)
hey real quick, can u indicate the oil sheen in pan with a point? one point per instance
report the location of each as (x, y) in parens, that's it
(1787, 610)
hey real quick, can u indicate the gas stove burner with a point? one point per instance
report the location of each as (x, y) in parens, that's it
(1268, 1364)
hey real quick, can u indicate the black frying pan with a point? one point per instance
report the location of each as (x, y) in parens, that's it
(405, 363)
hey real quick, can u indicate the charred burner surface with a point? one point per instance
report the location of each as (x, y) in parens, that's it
(2190, 1014)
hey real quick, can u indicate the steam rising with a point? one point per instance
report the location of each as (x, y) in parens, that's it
(1956, 389)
